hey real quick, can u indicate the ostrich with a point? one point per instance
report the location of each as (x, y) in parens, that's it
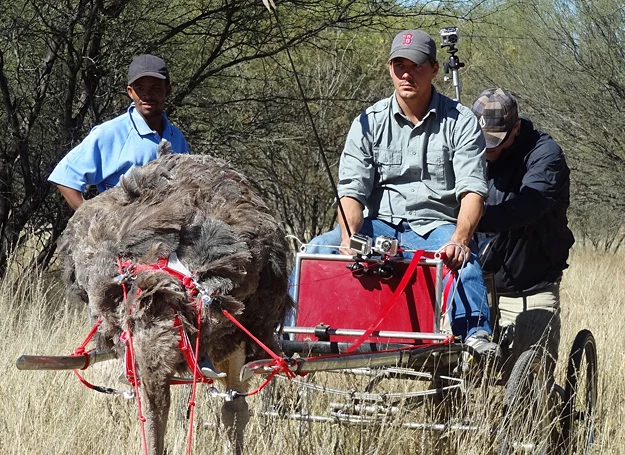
(207, 214)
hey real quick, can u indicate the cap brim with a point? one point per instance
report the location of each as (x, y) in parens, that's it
(413, 55)
(494, 139)
(149, 73)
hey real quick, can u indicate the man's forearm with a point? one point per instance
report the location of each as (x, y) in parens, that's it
(471, 209)
(353, 214)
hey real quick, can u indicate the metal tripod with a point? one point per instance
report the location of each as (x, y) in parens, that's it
(453, 65)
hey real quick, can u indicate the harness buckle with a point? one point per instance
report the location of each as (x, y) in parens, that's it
(129, 273)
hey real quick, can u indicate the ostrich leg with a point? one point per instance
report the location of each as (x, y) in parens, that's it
(235, 414)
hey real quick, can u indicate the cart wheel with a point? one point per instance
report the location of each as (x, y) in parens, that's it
(580, 395)
(528, 425)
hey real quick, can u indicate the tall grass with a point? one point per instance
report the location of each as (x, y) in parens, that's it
(52, 413)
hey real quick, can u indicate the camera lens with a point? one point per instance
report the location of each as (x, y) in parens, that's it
(385, 245)
(453, 38)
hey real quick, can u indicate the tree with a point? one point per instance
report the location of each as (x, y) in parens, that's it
(564, 62)
(63, 68)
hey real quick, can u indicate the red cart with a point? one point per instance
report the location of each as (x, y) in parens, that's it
(383, 319)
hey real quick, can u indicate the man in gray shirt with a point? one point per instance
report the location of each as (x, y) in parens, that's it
(413, 168)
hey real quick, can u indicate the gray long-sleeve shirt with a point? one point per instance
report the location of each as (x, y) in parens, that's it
(398, 170)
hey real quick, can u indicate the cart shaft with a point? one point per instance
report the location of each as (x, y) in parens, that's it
(68, 362)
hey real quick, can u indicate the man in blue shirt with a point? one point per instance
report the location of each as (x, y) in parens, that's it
(113, 148)
(131, 139)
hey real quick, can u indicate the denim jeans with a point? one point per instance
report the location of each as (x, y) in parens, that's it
(469, 312)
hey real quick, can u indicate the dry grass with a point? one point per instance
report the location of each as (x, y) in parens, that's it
(52, 413)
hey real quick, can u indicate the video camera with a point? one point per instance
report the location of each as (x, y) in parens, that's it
(450, 36)
(384, 245)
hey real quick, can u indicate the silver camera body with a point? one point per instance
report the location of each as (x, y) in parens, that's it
(450, 36)
(386, 245)
(362, 244)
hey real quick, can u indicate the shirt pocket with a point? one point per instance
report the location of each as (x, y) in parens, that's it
(388, 162)
(439, 168)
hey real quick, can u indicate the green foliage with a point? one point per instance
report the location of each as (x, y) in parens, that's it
(63, 69)
(564, 62)
(259, 121)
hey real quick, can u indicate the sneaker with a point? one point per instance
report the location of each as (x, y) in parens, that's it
(480, 342)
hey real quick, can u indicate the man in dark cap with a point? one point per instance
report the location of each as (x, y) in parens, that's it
(131, 139)
(528, 181)
(413, 168)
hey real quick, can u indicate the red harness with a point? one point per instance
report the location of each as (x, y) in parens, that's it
(128, 270)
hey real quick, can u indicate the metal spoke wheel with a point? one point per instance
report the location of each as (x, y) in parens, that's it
(580, 396)
(529, 423)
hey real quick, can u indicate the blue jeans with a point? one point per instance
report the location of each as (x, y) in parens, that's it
(469, 311)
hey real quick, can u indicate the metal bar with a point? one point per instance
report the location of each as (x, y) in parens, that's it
(377, 333)
(363, 409)
(295, 284)
(368, 360)
(345, 258)
(73, 362)
(375, 396)
(438, 298)
(364, 421)
(426, 357)
(330, 347)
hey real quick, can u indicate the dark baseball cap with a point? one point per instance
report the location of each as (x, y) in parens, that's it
(147, 65)
(415, 45)
(497, 112)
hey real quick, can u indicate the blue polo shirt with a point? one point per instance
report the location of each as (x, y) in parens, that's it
(112, 149)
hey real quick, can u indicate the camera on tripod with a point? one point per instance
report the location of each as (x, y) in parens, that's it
(449, 36)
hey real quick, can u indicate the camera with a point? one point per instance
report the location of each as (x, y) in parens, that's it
(386, 245)
(449, 36)
(361, 244)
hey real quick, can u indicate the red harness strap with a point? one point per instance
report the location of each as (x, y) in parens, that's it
(131, 368)
(80, 351)
(279, 361)
(188, 353)
(131, 374)
(197, 375)
(126, 269)
(184, 343)
(161, 264)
